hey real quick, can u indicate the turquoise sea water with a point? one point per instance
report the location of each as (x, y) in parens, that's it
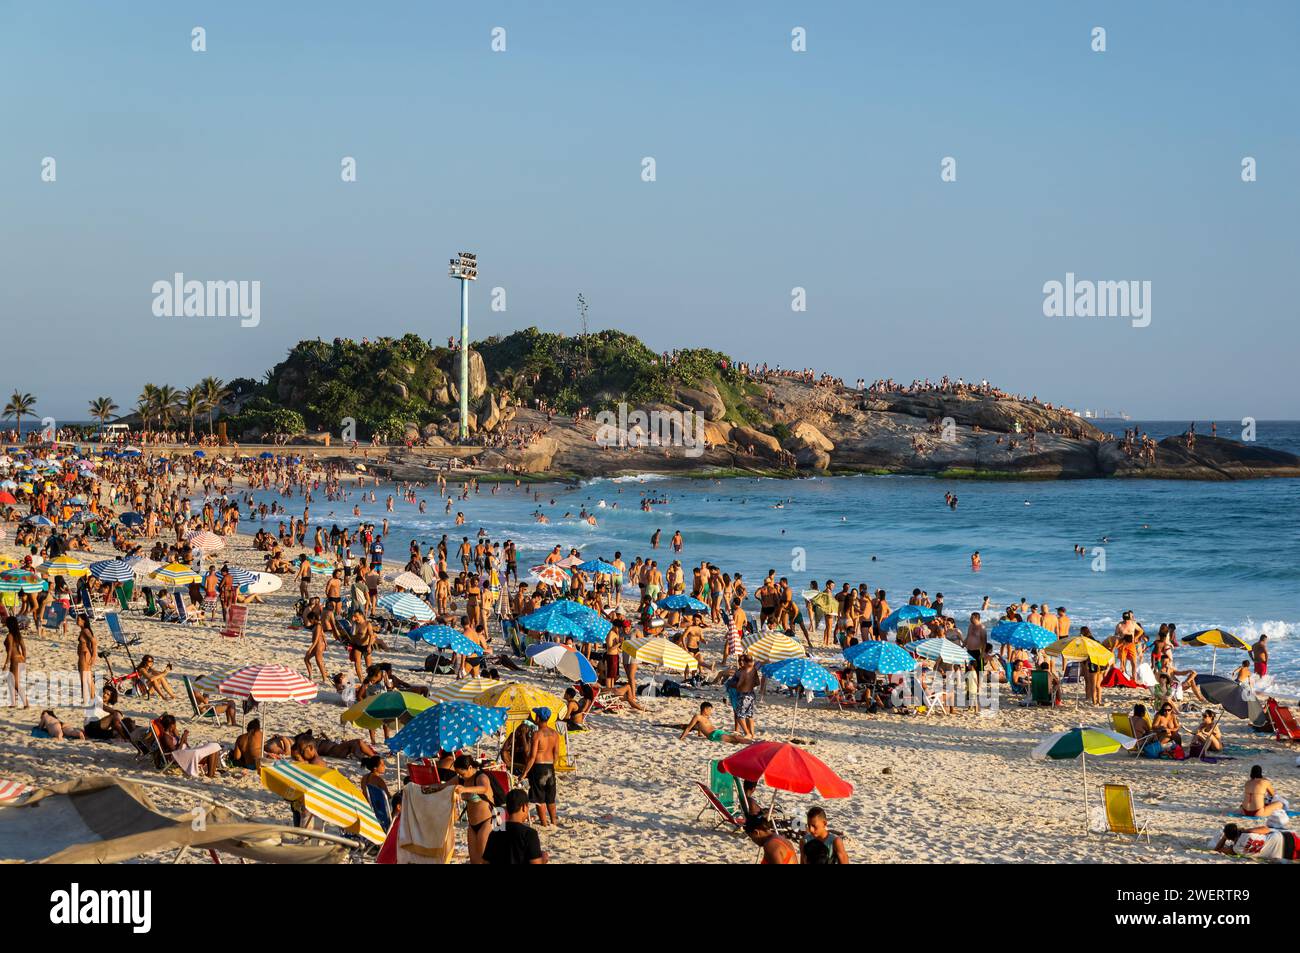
(1196, 554)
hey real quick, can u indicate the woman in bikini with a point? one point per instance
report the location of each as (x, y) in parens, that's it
(475, 789)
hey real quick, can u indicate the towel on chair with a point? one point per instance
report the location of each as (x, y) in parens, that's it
(427, 830)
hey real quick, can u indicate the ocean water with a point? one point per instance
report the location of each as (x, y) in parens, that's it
(1195, 554)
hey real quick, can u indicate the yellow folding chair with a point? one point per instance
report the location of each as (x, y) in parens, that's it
(1119, 723)
(1120, 816)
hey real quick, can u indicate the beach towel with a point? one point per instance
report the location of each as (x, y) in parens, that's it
(426, 829)
(1117, 679)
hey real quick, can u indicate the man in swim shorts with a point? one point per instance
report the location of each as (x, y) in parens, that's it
(703, 723)
(746, 682)
(1261, 842)
(539, 769)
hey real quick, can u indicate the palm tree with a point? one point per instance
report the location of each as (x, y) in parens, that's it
(20, 405)
(166, 400)
(191, 405)
(103, 409)
(145, 404)
(213, 391)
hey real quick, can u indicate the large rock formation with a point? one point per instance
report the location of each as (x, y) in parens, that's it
(478, 381)
(706, 400)
(745, 437)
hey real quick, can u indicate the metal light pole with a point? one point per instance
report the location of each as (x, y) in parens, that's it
(465, 267)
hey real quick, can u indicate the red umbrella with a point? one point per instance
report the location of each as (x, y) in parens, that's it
(785, 767)
(6, 497)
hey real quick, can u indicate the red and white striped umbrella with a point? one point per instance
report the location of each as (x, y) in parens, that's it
(206, 542)
(267, 683)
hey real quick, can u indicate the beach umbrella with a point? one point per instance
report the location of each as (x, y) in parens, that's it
(131, 519)
(943, 650)
(409, 581)
(906, 614)
(403, 605)
(1022, 635)
(568, 562)
(1080, 647)
(320, 566)
(572, 665)
(682, 602)
(266, 455)
(265, 583)
(660, 652)
(66, 566)
(446, 637)
(112, 570)
(552, 575)
(519, 700)
(7, 498)
(883, 658)
(1235, 698)
(142, 566)
(564, 617)
(803, 674)
(7, 562)
(325, 793)
(465, 690)
(36, 520)
(448, 726)
(1216, 639)
(1079, 743)
(785, 767)
(371, 712)
(772, 647)
(205, 542)
(175, 574)
(22, 580)
(599, 567)
(199, 453)
(241, 577)
(266, 683)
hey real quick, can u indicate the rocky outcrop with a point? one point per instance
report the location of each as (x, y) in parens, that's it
(746, 437)
(706, 400)
(478, 381)
(489, 414)
(804, 434)
(717, 433)
(537, 456)
(813, 458)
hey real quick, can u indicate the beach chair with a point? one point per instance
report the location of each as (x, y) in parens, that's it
(182, 616)
(151, 747)
(379, 803)
(1040, 688)
(55, 615)
(1120, 724)
(114, 623)
(1120, 816)
(732, 820)
(88, 606)
(1283, 721)
(200, 712)
(236, 618)
(150, 603)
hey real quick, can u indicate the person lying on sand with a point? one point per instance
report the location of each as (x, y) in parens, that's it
(702, 723)
(1264, 843)
(50, 724)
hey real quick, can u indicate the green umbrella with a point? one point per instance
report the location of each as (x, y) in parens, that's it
(1079, 743)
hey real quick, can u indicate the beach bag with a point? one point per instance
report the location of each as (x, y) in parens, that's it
(670, 689)
(1152, 749)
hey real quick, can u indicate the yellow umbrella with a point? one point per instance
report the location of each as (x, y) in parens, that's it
(176, 574)
(7, 562)
(1081, 647)
(661, 652)
(324, 793)
(1217, 638)
(66, 566)
(773, 647)
(519, 700)
(467, 690)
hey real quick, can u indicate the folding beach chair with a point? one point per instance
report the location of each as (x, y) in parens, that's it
(1283, 721)
(380, 804)
(1120, 816)
(236, 617)
(182, 617)
(114, 623)
(732, 820)
(1040, 688)
(1119, 723)
(55, 615)
(200, 712)
(88, 607)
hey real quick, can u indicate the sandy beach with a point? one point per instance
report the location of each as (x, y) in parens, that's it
(928, 788)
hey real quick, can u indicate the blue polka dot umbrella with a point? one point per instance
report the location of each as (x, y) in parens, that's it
(403, 605)
(906, 614)
(599, 567)
(681, 603)
(884, 658)
(448, 726)
(1022, 635)
(113, 570)
(566, 618)
(803, 674)
(445, 637)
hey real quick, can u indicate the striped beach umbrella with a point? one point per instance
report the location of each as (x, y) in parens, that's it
(371, 712)
(267, 683)
(560, 658)
(1216, 639)
(884, 658)
(448, 726)
(205, 541)
(239, 576)
(22, 580)
(325, 793)
(445, 637)
(660, 652)
(113, 570)
(13, 793)
(320, 566)
(175, 574)
(403, 605)
(1022, 635)
(772, 647)
(410, 582)
(943, 650)
(65, 565)
(465, 690)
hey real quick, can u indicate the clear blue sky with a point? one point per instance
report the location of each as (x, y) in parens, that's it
(775, 169)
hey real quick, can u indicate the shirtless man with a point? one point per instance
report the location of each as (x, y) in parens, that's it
(746, 682)
(87, 650)
(1127, 632)
(692, 636)
(1259, 655)
(976, 639)
(539, 769)
(1062, 622)
(702, 723)
(1260, 800)
(767, 600)
(247, 752)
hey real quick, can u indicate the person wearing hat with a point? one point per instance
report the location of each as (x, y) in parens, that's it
(539, 769)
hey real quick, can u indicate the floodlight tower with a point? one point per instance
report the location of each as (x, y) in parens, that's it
(465, 267)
